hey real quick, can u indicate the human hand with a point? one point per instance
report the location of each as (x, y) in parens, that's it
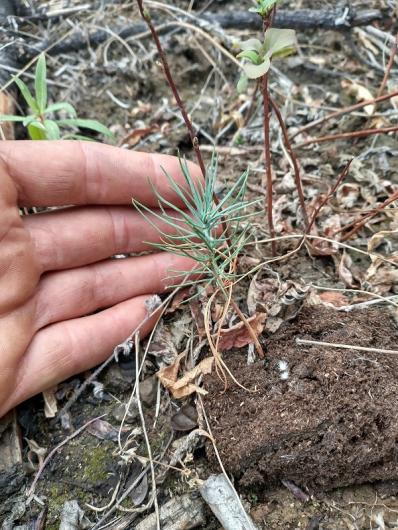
(54, 271)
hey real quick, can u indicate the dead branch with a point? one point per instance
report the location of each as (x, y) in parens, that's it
(330, 19)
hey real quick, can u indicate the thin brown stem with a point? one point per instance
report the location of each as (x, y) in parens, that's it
(251, 331)
(173, 87)
(267, 22)
(195, 143)
(389, 65)
(361, 222)
(293, 157)
(352, 134)
(344, 110)
(328, 196)
(267, 161)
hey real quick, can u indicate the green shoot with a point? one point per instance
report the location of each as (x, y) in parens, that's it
(258, 55)
(41, 123)
(263, 7)
(196, 228)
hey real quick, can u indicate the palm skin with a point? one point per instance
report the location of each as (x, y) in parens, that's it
(64, 304)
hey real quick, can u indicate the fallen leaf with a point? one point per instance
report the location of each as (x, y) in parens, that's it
(333, 298)
(35, 451)
(185, 419)
(168, 339)
(103, 430)
(178, 299)
(134, 136)
(280, 300)
(184, 386)
(196, 308)
(360, 93)
(168, 375)
(344, 271)
(238, 335)
(50, 403)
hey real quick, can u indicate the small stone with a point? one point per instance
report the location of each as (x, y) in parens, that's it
(148, 390)
(119, 411)
(116, 381)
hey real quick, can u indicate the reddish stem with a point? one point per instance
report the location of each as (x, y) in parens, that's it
(329, 195)
(267, 22)
(352, 134)
(195, 143)
(389, 65)
(344, 110)
(360, 222)
(293, 157)
(267, 160)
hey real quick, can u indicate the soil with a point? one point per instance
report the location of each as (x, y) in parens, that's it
(332, 422)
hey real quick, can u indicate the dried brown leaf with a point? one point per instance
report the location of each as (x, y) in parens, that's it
(239, 336)
(103, 430)
(333, 298)
(184, 386)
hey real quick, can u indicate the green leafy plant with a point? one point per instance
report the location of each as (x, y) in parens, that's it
(263, 7)
(211, 234)
(40, 123)
(258, 55)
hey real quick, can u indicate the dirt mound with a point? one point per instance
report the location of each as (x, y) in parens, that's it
(321, 417)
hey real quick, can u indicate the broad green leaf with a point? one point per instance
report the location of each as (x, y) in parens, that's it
(41, 83)
(251, 55)
(28, 119)
(37, 131)
(93, 125)
(254, 71)
(277, 40)
(52, 130)
(67, 107)
(27, 95)
(251, 44)
(242, 84)
(283, 53)
(10, 117)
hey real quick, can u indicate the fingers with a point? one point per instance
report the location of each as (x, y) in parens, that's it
(52, 173)
(68, 348)
(79, 236)
(81, 291)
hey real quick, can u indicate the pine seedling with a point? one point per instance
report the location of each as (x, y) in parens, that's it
(41, 123)
(211, 234)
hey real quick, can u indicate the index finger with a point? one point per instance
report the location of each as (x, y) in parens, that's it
(57, 173)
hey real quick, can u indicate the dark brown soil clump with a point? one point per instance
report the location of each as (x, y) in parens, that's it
(333, 421)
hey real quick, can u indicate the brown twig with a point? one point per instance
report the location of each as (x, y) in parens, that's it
(389, 65)
(293, 157)
(173, 87)
(359, 223)
(267, 160)
(267, 21)
(352, 134)
(328, 196)
(195, 143)
(344, 110)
